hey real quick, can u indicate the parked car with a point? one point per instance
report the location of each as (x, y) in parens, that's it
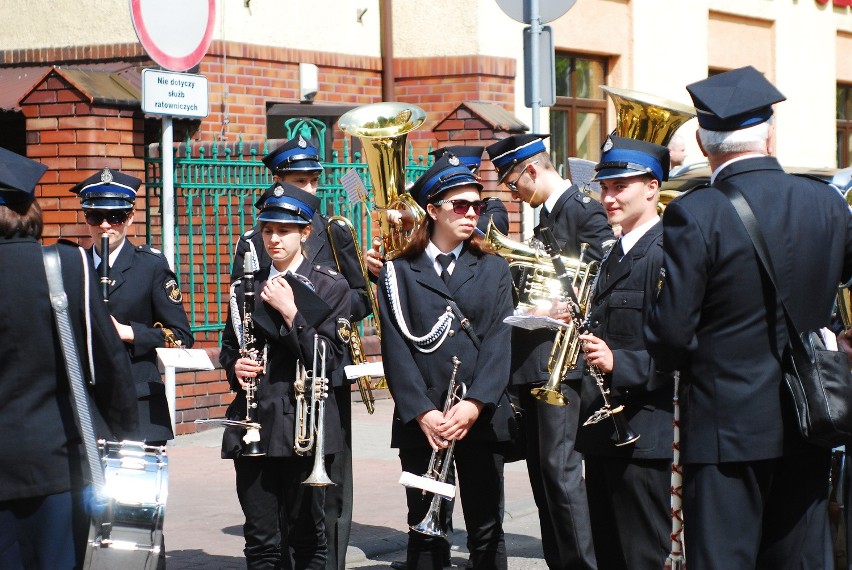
(689, 176)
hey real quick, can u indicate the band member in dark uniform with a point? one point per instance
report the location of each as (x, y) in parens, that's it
(628, 484)
(755, 493)
(42, 520)
(443, 265)
(284, 518)
(296, 162)
(555, 468)
(144, 296)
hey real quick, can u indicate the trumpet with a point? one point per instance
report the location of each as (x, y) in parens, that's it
(441, 462)
(310, 417)
(347, 331)
(566, 345)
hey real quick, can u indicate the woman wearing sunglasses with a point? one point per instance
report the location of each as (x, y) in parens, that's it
(142, 291)
(445, 298)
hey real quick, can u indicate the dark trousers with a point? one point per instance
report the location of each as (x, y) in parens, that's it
(556, 477)
(284, 519)
(629, 502)
(769, 514)
(338, 498)
(479, 470)
(43, 533)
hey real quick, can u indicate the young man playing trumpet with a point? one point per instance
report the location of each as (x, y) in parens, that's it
(627, 483)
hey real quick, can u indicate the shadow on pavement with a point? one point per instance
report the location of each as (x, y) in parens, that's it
(198, 560)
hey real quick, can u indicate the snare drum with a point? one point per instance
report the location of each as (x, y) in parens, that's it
(130, 533)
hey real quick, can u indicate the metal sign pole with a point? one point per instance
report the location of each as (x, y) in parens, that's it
(167, 196)
(535, 57)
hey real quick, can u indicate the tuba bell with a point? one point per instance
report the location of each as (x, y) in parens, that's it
(383, 129)
(648, 118)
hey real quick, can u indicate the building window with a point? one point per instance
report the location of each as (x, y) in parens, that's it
(844, 125)
(578, 119)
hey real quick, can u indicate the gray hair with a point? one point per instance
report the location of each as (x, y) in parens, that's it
(749, 139)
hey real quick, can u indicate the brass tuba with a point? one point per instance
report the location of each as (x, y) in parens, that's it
(648, 118)
(383, 129)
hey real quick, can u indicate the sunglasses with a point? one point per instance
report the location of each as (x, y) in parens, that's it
(513, 186)
(462, 206)
(114, 217)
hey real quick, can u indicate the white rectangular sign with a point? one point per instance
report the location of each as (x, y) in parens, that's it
(174, 94)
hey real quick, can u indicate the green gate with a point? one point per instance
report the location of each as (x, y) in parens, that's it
(215, 189)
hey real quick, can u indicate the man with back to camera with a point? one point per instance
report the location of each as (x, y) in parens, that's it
(755, 493)
(555, 468)
(296, 162)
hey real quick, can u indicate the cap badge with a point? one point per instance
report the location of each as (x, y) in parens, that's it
(302, 142)
(106, 176)
(607, 145)
(453, 160)
(278, 192)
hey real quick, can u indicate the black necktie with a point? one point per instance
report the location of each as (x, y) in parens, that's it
(543, 214)
(445, 259)
(614, 256)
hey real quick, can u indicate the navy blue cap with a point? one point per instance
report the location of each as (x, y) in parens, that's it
(108, 190)
(295, 155)
(470, 156)
(287, 205)
(623, 157)
(447, 172)
(18, 177)
(734, 100)
(505, 154)
(312, 201)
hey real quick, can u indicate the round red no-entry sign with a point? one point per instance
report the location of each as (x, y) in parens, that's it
(176, 34)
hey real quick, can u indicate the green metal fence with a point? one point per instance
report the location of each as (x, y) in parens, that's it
(215, 189)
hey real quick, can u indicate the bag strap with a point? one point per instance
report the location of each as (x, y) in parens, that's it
(464, 322)
(746, 215)
(80, 401)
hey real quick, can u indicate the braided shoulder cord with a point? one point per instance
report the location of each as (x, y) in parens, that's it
(435, 337)
(236, 319)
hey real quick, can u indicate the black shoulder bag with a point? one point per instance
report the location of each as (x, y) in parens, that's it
(819, 380)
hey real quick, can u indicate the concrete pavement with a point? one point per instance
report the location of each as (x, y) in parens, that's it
(203, 525)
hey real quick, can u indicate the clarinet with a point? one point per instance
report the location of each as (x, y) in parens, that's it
(248, 349)
(104, 269)
(624, 434)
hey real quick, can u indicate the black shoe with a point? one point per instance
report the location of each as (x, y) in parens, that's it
(399, 565)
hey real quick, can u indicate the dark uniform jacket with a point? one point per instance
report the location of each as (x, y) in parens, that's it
(41, 444)
(620, 307)
(286, 346)
(318, 251)
(418, 381)
(576, 218)
(717, 315)
(143, 290)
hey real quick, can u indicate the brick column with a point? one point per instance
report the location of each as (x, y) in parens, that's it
(75, 137)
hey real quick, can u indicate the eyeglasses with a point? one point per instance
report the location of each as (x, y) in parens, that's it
(513, 186)
(114, 217)
(462, 206)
